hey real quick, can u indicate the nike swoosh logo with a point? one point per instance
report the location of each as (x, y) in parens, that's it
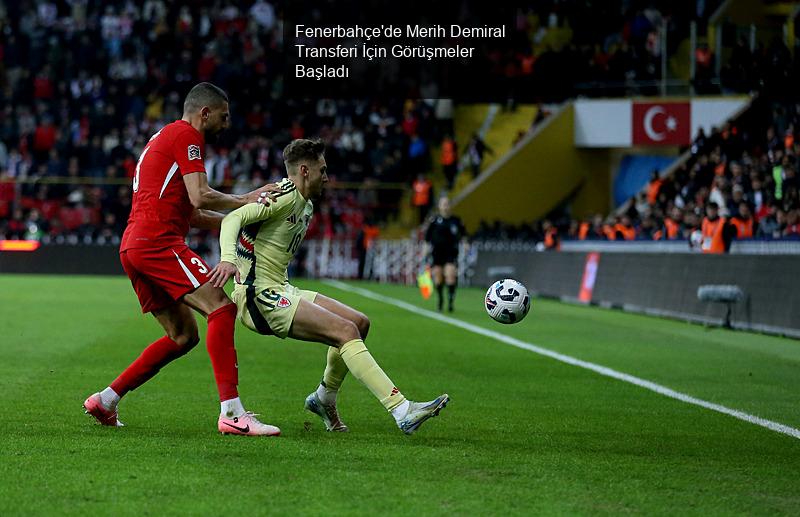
(241, 429)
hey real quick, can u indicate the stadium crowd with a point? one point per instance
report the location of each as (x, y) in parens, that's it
(744, 174)
(84, 83)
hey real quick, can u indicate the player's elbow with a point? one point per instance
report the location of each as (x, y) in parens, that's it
(198, 201)
(200, 197)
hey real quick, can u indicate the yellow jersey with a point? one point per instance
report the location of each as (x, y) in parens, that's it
(262, 240)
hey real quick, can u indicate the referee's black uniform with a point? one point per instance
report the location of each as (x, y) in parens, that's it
(444, 234)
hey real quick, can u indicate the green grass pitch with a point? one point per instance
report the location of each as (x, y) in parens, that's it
(523, 434)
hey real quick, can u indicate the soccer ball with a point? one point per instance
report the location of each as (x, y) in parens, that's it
(507, 301)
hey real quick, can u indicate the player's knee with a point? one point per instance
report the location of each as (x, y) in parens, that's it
(218, 300)
(362, 322)
(186, 340)
(346, 331)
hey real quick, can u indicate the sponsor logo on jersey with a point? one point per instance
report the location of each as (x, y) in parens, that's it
(284, 302)
(194, 152)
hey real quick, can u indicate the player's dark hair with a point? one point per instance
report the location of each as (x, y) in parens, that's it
(204, 94)
(303, 149)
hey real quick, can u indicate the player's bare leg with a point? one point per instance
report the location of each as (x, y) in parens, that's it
(181, 336)
(438, 283)
(360, 320)
(451, 280)
(322, 402)
(313, 322)
(213, 303)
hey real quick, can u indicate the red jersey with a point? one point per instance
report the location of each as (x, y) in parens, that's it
(161, 208)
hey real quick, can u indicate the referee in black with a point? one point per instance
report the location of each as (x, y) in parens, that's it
(443, 236)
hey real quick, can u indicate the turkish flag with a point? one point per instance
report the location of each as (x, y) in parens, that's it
(662, 123)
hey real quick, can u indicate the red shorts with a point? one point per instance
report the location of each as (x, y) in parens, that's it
(161, 276)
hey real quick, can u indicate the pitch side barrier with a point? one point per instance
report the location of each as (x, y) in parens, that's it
(660, 284)
(63, 259)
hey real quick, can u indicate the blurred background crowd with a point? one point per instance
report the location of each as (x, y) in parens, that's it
(747, 169)
(85, 83)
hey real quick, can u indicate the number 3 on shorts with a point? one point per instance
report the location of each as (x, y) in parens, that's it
(199, 263)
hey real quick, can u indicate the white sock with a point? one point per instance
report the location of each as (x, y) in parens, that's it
(326, 396)
(109, 398)
(232, 408)
(400, 411)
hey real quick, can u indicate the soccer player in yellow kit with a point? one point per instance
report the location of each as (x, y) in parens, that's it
(257, 244)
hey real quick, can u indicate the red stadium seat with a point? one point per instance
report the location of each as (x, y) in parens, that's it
(50, 209)
(71, 218)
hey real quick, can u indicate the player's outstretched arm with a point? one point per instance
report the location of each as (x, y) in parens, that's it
(204, 197)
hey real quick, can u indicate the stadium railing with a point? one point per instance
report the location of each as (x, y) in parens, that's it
(749, 247)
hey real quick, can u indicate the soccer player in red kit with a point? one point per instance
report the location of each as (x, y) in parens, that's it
(171, 194)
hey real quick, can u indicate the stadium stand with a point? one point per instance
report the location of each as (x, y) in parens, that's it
(83, 84)
(105, 79)
(748, 168)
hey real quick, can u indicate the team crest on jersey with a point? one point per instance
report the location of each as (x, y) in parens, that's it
(283, 302)
(292, 219)
(194, 152)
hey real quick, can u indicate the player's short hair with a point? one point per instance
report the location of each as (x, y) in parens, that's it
(303, 149)
(204, 94)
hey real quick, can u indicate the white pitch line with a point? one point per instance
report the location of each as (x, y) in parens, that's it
(602, 370)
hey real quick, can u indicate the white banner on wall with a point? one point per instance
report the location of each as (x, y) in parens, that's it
(650, 122)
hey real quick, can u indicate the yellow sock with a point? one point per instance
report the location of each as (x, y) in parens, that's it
(335, 370)
(361, 364)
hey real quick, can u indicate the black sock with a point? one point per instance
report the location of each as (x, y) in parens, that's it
(451, 295)
(440, 294)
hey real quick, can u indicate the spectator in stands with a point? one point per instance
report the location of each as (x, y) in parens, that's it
(449, 160)
(624, 229)
(422, 196)
(84, 87)
(792, 227)
(552, 241)
(789, 183)
(768, 224)
(743, 222)
(648, 229)
(719, 195)
(704, 60)
(716, 231)
(596, 231)
(15, 227)
(418, 156)
(672, 225)
(35, 226)
(653, 187)
(476, 150)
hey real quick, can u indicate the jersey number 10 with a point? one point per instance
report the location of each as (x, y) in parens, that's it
(295, 244)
